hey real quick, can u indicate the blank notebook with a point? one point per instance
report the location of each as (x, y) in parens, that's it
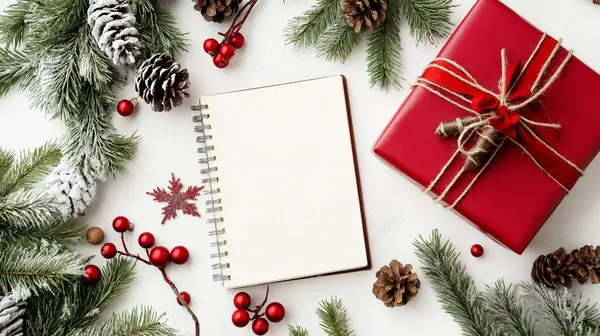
(284, 191)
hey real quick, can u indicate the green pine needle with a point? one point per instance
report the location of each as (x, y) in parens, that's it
(455, 288)
(429, 20)
(32, 166)
(338, 42)
(57, 231)
(13, 24)
(297, 330)
(143, 321)
(15, 66)
(305, 30)
(28, 209)
(158, 29)
(384, 59)
(505, 307)
(334, 318)
(45, 267)
(6, 161)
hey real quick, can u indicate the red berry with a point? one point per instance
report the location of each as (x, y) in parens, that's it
(125, 107)
(92, 274)
(108, 250)
(146, 240)
(227, 51)
(211, 46)
(159, 256)
(242, 300)
(476, 250)
(180, 255)
(122, 224)
(260, 326)
(186, 297)
(240, 318)
(220, 62)
(275, 312)
(237, 40)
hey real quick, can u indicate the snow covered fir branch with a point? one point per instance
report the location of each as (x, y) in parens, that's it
(333, 320)
(525, 309)
(336, 28)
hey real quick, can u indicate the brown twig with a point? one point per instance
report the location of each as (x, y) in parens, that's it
(235, 25)
(259, 307)
(167, 280)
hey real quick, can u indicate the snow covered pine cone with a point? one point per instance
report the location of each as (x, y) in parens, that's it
(113, 27)
(11, 312)
(162, 82)
(73, 188)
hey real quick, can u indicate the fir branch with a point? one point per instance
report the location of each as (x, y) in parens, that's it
(158, 29)
(306, 29)
(87, 301)
(139, 322)
(455, 288)
(13, 24)
(15, 66)
(505, 307)
(338, 42)
(384, 59)
(28, 209)
(31, 167)
(429, 20)
(297, 330)
(62, 232)
(45, 267)
(334, 318)
(93, 65)
(6, 161)
(557, 312)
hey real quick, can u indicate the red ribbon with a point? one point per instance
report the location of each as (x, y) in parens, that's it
(518, 82)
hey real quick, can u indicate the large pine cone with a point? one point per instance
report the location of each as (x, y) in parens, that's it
(12, 309)
(554, 269)
(365, 15)
(113, 27)
(73, 188)
(217, 10)
(396, 284)
(162, 82)
(587, 264)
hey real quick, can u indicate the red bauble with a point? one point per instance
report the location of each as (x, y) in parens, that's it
(146, 240)
(237, 40)
(227, 51)
(108, 250)
(275, 312)
(126, 107)
(260, 326)
(180, 255)
(92, 274)
(240, 318)
(186, 297)
(211, 46)
(159, 256)
(242, 300)
(220, 62)
(476, 250)
(121, 224)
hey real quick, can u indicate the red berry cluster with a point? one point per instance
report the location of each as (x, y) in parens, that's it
(275, 312)
(158, 256)
(224, 51)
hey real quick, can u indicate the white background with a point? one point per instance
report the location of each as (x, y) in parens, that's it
(396, 211)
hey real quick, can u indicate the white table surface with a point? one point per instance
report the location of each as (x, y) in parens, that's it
(396, 211)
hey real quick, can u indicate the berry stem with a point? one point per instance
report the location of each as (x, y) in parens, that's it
(237, 23)
(259, 308)
(167, 280)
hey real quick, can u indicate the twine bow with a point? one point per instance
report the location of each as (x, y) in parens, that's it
(497, 117)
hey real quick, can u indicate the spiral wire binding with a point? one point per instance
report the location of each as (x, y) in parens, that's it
(213, 205)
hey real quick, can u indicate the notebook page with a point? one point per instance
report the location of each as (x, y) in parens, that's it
(288, 185)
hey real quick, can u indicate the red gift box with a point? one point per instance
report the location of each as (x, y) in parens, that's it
(513, 197)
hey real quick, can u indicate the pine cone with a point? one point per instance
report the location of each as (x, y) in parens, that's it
(162, 82)
(554, 269)
(113, 27)
(396, 284)
(12, 309)
(217, 10)
(72, 188)
(365, 15)
(587, 264)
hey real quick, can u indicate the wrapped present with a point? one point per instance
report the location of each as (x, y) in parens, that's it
(499, 127)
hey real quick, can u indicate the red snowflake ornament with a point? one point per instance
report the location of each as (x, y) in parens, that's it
(176, 199)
